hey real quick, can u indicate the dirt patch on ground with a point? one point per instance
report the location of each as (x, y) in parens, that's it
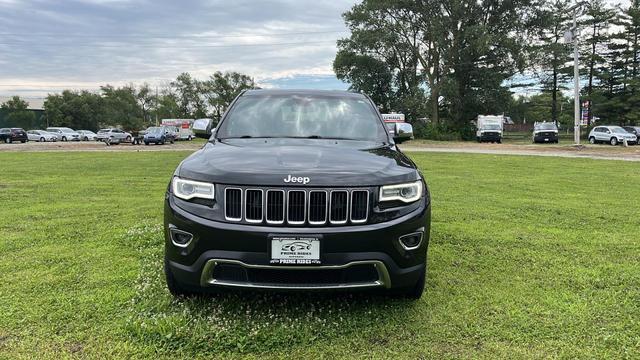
(606, 152)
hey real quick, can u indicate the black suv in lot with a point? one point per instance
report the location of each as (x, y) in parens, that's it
(9, 135)
(298, 190)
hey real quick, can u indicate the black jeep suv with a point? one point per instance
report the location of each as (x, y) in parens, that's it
(297, 190)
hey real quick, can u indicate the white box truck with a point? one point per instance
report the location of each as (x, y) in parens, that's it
(490, 128)
(183, 128)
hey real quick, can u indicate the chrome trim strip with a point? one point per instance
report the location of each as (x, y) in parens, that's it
(253, 221)
(409, 248)
(304, 208)
(366, 215)
(346, 217)
(225, 204)
(174, 230)
(326, 207)
(206, 278)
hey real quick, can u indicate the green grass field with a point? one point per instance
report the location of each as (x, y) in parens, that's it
(530, 258)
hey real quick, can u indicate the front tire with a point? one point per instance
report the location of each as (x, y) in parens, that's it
(64, 138)
(592, 140)
(613, 141)
(8, 140)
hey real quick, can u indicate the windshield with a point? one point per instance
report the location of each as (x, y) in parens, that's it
(303, 116)
(546, 126)
(154, 130)
(491, 127)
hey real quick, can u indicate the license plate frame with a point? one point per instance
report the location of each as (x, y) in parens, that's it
(295, 249)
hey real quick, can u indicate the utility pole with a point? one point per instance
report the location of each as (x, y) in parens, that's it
(156, 105)
(576, 81)
(573, 35)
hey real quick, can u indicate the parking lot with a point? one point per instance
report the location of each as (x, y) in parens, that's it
(565, 149)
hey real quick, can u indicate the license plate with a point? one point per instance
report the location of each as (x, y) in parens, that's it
(295, 250)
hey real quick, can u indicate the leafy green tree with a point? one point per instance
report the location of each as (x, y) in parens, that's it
(17, 113)
(597, 23)
(189, 91)
(77, 110)
(121, 107)
(454, 53)
(552, 53)
(222, 88)
(147, 101)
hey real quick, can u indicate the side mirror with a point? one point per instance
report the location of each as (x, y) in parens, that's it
(403, 132)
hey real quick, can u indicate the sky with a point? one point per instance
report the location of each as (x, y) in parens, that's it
(50, 45)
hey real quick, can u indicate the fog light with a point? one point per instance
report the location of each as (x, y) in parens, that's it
(411, 241)
(180, 238)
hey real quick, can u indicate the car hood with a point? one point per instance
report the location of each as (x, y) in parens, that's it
(326, 163)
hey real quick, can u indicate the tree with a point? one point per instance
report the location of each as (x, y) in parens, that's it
(77, 110)
(147, 101)
(189, 97)
(121, 107)
(366, 74)
(222, 88)
(17, 113)
(551, 52)
(440, 50)
(596, 26)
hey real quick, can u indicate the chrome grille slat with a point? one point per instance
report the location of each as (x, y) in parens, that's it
(339, 206)
(296, 206)
(233, 204)
(275, 206)
(318, 205)
(253, 205)
(359, 206)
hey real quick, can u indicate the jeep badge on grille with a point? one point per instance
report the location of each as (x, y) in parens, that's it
(293, 179)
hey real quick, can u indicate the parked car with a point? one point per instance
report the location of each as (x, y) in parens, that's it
(634, 130)
(113, 134)
(41, 135)
(611, 134)
(9, 135)
(65, 133)
(545, 132)
(87, 135)
(285, 194)
(158, 135)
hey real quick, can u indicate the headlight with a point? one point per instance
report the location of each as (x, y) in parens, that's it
(189, 189)
(408, 192)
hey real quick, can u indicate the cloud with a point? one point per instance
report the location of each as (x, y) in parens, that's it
(93, 42)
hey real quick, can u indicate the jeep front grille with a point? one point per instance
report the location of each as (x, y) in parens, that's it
(296, 206)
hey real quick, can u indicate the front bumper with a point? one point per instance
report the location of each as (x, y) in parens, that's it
(542, 138)
(356, 256)
(491, 136)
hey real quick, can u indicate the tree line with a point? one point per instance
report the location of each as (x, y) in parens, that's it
(449, 60)
(132, 107)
